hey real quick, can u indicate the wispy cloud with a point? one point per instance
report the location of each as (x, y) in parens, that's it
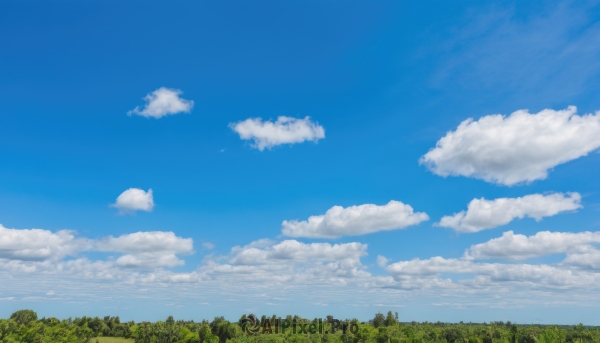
(554, 53)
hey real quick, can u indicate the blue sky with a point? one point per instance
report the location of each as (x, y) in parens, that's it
(384, 81)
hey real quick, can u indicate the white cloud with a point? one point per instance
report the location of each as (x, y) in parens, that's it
(291, 262)
(516, 149)
(147, 241)
(135, 199)
(484, 214)
(382, 261)
(518, 247)
(355, 220)
(208, 245)
(277, 270)
(39, 245)
(30, 250)
(150, 260)
(148, 249)
(285, 130)
(292, 250)
(429, 273)
(588, 260)
(162, 102)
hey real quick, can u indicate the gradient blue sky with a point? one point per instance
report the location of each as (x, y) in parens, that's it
(386, 80)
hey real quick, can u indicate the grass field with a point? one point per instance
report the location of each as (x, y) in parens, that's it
(111, 340)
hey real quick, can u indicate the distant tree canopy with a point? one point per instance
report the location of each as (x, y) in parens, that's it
(24, 326)
(24, 317)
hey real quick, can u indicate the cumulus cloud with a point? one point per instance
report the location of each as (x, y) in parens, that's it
(330, 272)
(134, 199)
(588, 260)
(291, 262)
(148, 249)
(289, 250)
(355, 220)
(520, 148)
(484, 214)
(39, 245)
(579, 270)
(162, 102)
(286, 130)
(382, 261)
(29, 250)
(428, 273)
(519, 247)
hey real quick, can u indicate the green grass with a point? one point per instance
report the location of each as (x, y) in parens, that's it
(111, 340)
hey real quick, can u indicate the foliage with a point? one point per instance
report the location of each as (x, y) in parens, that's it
(25, 327)
(111, 340)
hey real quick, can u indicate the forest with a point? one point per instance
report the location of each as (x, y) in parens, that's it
(25, 326)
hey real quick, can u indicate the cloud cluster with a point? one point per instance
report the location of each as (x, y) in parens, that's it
(39, 245)
(320, 267)
(587, 260)
(484, 214)
(139, 250)
(516, 149)
(519, 247)
(291, 262)
(148, 249)
(355, 220)
(579, 269)
(292, 250)
(286, 130)
(429, 273)
(162, 102)
(134, 199)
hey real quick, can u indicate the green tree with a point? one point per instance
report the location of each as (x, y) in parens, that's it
(390, 320)
(552, 334)
(378, 320)
(24, 317)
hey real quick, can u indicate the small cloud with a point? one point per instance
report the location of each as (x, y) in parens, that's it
(162, 102)
(354, 220)
(482, 214)
(134, 199)
(50, 293)
(382, 261)
(208, 245)
(285, 130)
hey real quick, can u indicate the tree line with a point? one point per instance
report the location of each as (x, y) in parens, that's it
(24, 327)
